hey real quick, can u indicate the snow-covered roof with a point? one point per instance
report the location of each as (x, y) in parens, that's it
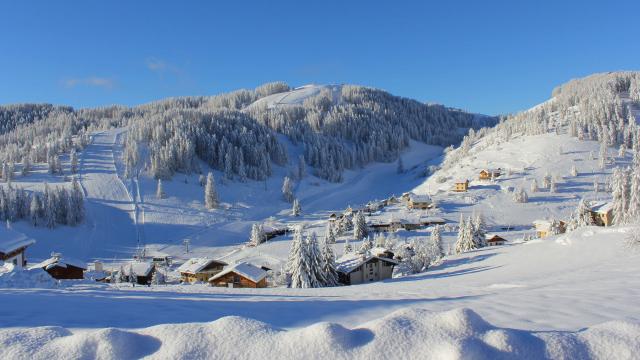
(11, 240)
(602, 207)
(420, 198)
(59, 261)
(244, 269)
(196, 265)
(461, 181)
(432, 219)
(490, 236)
(350, 262)
(140, 268)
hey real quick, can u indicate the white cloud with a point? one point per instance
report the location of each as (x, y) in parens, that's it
(93, 81)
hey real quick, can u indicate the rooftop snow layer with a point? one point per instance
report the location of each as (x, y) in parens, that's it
(11, 240)
(59, 261)
(247, 270)
(350, 262)
(140, 268)
(196, 265)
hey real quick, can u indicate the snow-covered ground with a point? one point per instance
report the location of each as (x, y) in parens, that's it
(565, 283)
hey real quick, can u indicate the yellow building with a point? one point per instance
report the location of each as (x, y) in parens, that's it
(461, 186)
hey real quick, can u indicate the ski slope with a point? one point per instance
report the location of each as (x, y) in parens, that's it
(297, 96)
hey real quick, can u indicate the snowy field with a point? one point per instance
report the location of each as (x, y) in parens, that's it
(551, 289)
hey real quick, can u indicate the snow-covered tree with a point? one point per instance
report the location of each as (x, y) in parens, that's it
(436, 242)
(132, 275)
(520, 196)
(160, 194)
(287, 189)
(619, 187)
(210, 193)
(574, 171)
(296, 208)
(534, 186)
(302, 167)
(479, 231)
(465, 241)
(331, 235)
(73, 156)
(553, 186)
(359, 226)
(257, 235)
(202, 180)
(603, 155)
(347, 247)
(316, 273)
(546, 181)
(581, 216)
(299, 263)
(35, 209)
(366, 245)
(400, 167)
(329, 270)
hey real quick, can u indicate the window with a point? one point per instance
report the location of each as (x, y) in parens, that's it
(236, 279)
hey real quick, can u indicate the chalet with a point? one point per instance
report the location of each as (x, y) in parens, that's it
(432, 220)
(62, 268)
(142, 270)
(363, 268)
(243, 275)
(602, 213)
(373, 206)
(545, 228)
(494, 240)
(422, 202)
(391, 201)
(385, 225)
(461, 186)
(12, 247)
(200, 269)
(488, 174)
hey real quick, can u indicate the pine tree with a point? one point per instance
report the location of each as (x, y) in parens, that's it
(359, 226)
(132, 275)
(160, 194)
(581, 216)
(347, 247)
(35, 209)
(479, 232)
(302, 169)
(74, 161)
(400, 167)
(210, 194)
(296, 209)
(366, 245)
(603, 155)
(534, 186)
(329, 270)
(287, 189)
(316, 262)
(619, 195)
(298, 265)
(634, 191)
(465, 241)
(257, 235)
(331, 236)
(49, 207)
(436, 242)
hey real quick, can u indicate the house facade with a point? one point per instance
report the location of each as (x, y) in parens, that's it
(62, 268)
(488, 174)
(13, 246)
(243, 275)
(461, 186)
(421, 202)
(200, 269)
(364, 268)
(495, 240)
(602, 213)
(545, 228)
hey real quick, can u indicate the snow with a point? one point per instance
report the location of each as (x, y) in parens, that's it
(24, 279)
(602, 207)
(404, 334)
(57, 260)
(11, 240)
(140, 268)
(247, 270)
(195, 265)
(297, 96)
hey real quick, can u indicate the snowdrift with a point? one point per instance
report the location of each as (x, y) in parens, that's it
(404, 334)
(25, 279)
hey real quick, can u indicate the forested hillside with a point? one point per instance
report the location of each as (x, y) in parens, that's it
(350, 129)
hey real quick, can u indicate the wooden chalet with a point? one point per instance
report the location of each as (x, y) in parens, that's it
(495, 240)
(488, 174)
(200, 269)
(243, 275)
(545, 228)
(432, 220)
(142, 270)
(61, 268)
(461, 186)
(422, 202)
(363, 268)
(391, 201)
(13, 246)
(602, 213)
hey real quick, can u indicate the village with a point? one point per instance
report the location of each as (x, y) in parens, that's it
(398, 217)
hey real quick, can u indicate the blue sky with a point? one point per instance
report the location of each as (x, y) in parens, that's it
(484, 56)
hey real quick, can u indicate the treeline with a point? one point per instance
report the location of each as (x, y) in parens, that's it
(343, 130)
(48, 208)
